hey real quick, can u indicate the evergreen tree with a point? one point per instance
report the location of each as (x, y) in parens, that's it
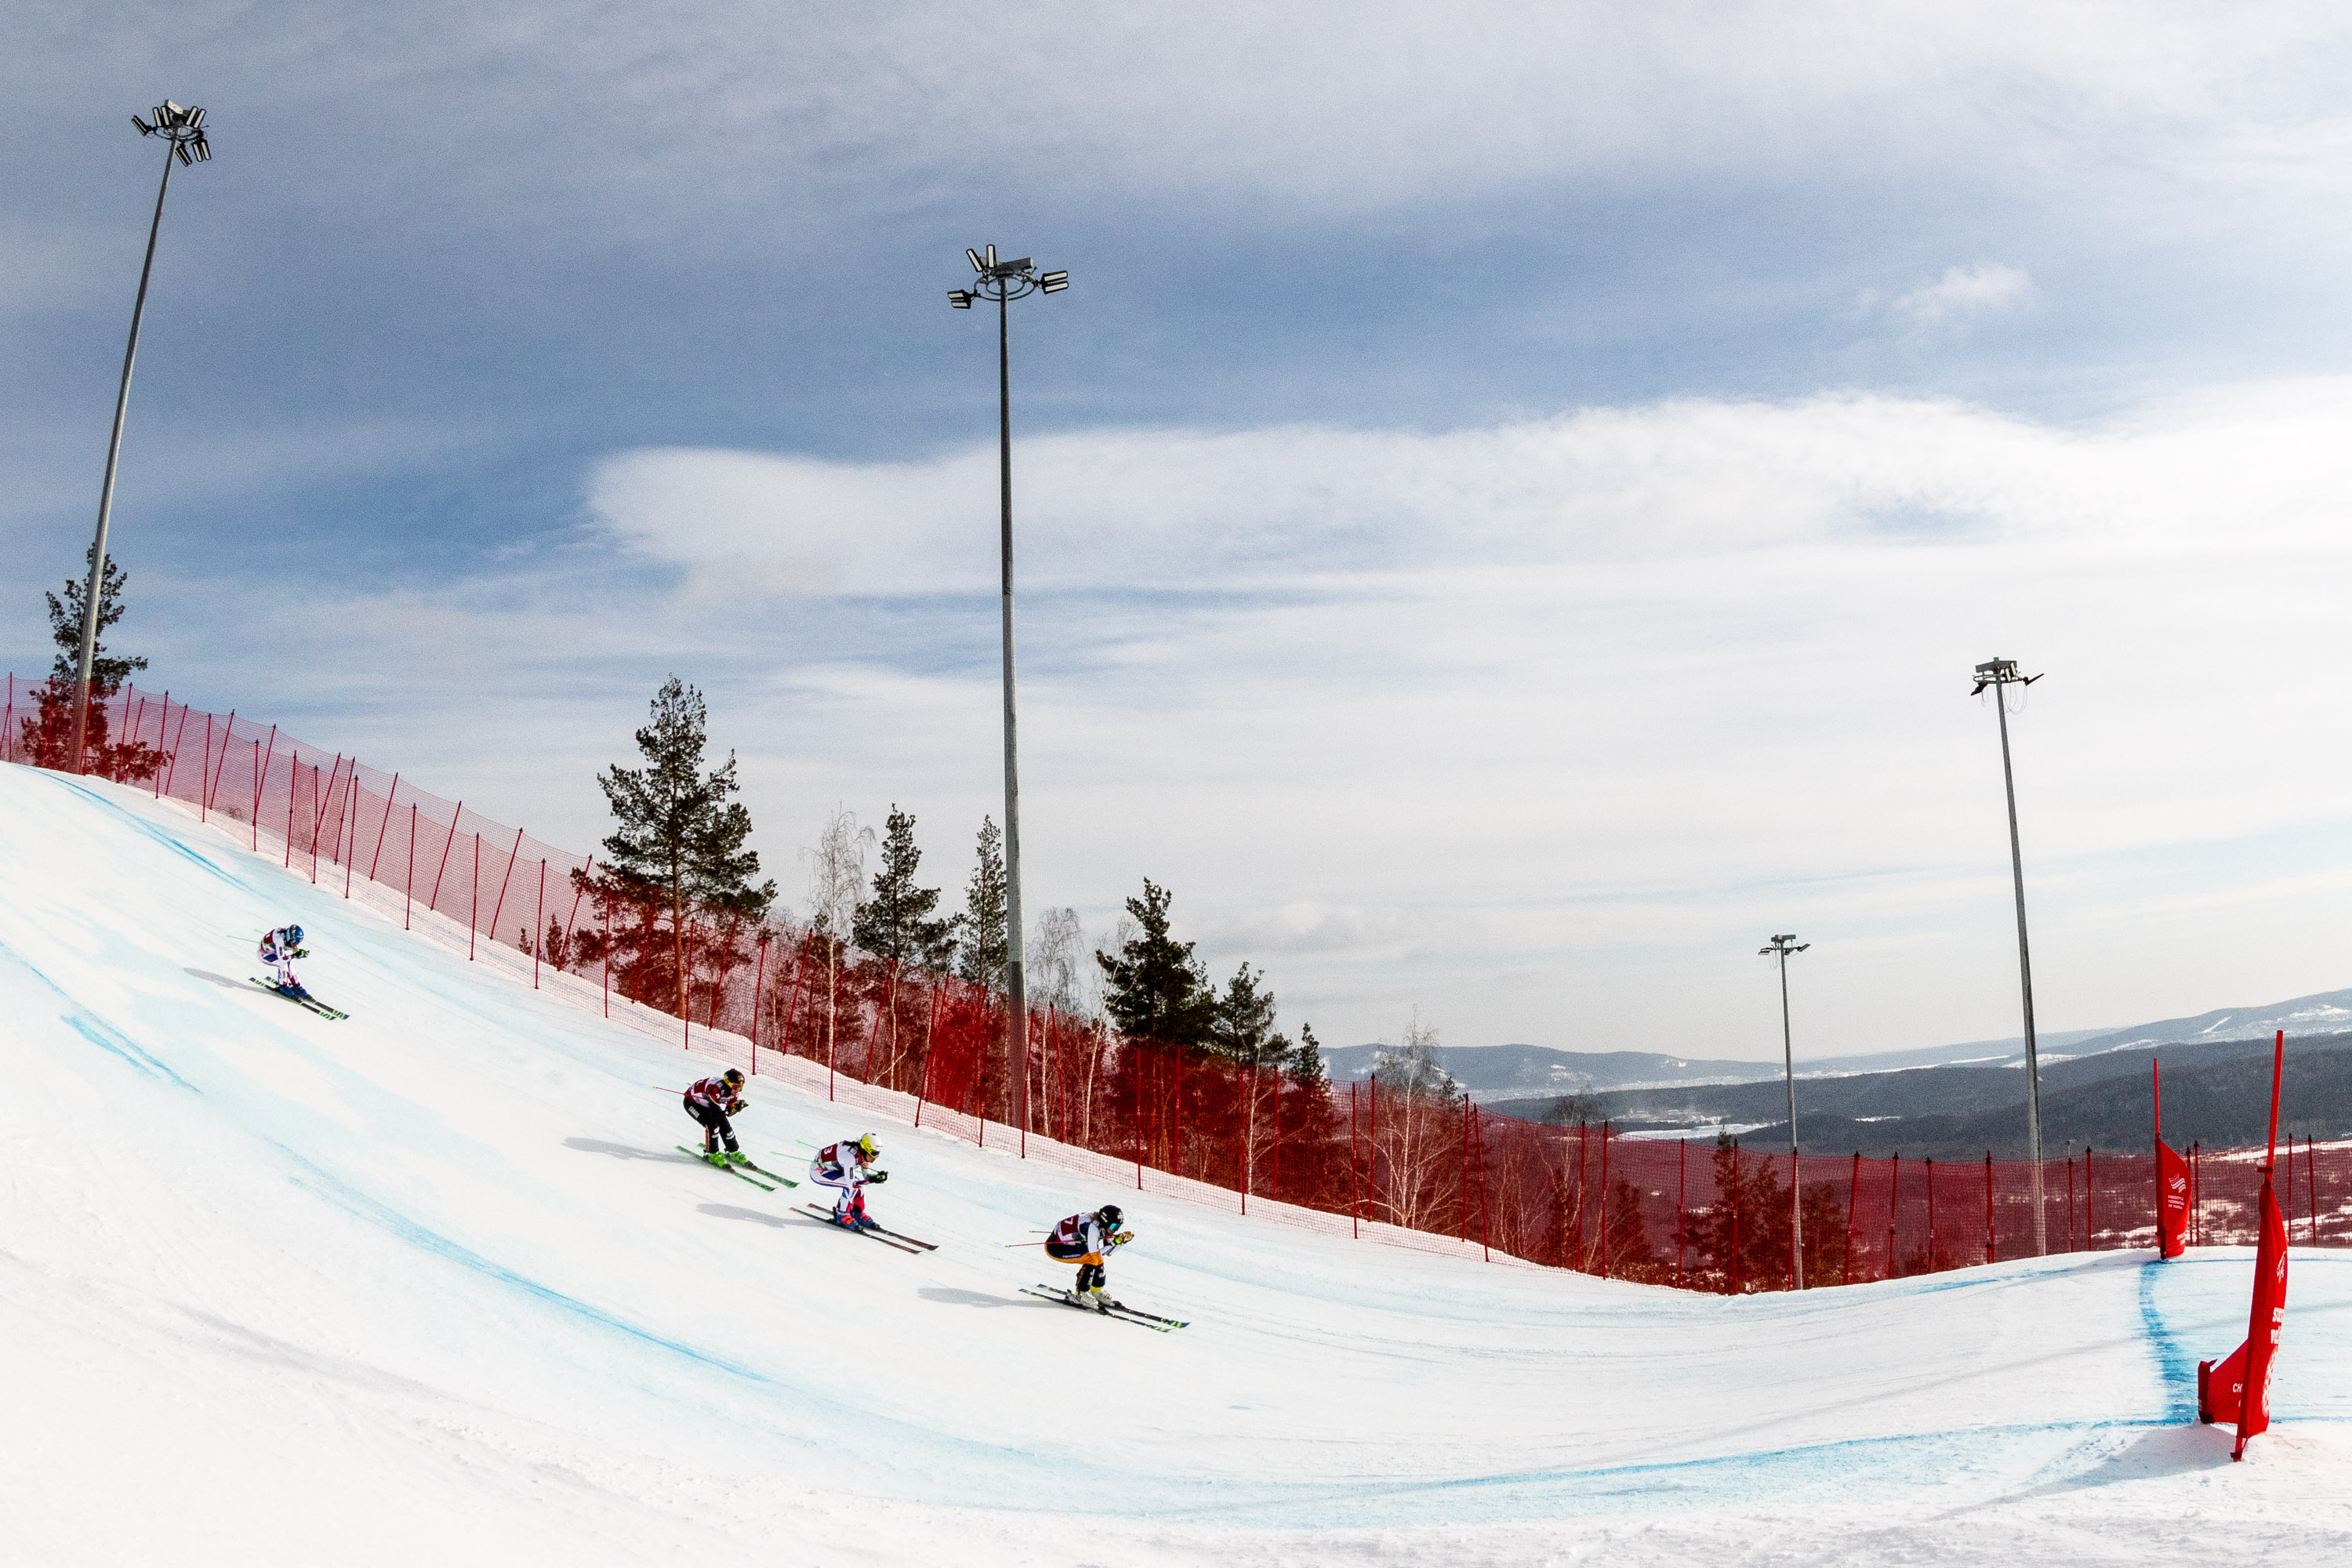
(1154, 989)
(1744, 1234)
(1241, 1023)
(1307, 1058)
(895, 922)
(47, 736)
(679, 836)
(107, 671)
(980, 947)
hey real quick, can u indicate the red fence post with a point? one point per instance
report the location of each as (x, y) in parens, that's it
(434, 903)
(759, 982)
(499, 907)
(2311, 1185)
(260, 766)
(2090, 1204)
(579, 891)
(1681, 1206)
(606, 905)
(1988, 1244)
(1355, 1172)
(1464, 1163)
(1735, 1215)
(1600, 1215)
(1583, 1156)
(1852, 1193)
(377, 859)
(539, 926)
(1485, 1229)
(172, 768)
(1894, 1196)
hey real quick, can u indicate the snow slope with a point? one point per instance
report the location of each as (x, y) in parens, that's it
(431, 1286)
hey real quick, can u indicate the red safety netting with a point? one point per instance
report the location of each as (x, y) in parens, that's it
(1365, 1159)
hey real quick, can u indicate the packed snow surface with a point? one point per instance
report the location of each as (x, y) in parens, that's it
(433, 1286)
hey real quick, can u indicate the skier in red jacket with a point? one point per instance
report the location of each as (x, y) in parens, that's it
(710, 1101)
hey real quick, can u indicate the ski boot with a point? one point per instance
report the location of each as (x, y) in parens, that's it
(737, 1157)
(715, 1157)
(1093, 1296)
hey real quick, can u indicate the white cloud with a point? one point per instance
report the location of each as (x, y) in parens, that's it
(1541, 726)
(1961, 295)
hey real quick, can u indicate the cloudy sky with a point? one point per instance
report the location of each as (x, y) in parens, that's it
(1507, 510)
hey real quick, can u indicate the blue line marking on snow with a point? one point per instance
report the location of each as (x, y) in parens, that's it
(408, 1230)
(106, 1039)
(91, 1029)
(150, 829)
(2173, 1363)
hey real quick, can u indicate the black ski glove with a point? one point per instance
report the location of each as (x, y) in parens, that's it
(877, 1176)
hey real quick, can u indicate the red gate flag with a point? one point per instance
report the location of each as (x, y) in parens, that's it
(2171, 1179)
(2239, 1387)
(2171, 1201)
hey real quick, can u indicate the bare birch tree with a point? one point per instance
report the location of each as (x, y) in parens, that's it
(837, 873)
(1414, 1132)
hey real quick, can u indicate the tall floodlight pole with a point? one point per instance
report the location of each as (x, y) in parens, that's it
(1998, 675)
(1005, 281)
(1782, 946)
(183, 131)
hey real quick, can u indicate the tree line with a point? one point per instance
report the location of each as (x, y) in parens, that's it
(680, 839)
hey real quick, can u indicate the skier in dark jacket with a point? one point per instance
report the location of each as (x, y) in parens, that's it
(1088, 1240)
(710, 1101)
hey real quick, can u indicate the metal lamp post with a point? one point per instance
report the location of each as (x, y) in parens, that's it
(183, 131)
(1998, 674)
(1005, 281)
(1782, 947)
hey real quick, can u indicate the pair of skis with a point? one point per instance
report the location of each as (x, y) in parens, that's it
(743, 1170)
(1125, 1314)
(304, 1000)
(872, 1232)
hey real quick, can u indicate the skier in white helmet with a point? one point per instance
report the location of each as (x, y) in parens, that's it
(848, 1167)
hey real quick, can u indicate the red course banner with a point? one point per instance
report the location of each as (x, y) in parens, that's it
(2238, 1388)
(2172, 1201)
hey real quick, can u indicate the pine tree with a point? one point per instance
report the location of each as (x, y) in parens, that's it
(107, 671)
(46, 737)
(1241, 1023)
(677, 833)
(980, 948)
(895, 922)
(1154, 989)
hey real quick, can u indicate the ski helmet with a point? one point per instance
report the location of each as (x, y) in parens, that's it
(294, 935)
(733, 1078)
(1108, 1214)
(867, 1147)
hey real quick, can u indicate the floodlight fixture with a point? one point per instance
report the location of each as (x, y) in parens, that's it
(182, 129)
(1003, 282)
(1998, 675)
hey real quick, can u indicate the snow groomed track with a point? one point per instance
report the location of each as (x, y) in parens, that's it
(434, 1284)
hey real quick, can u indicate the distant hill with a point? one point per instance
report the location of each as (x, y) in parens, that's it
(1521, 1080)
(2216, 1091)
(1490, 1072)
